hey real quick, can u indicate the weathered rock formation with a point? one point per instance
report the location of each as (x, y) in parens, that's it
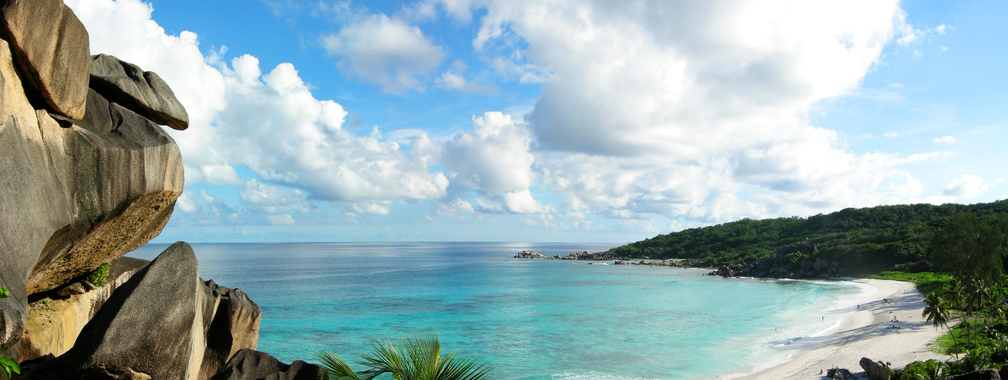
(675, 263)
(235, 327)
(72, 195)
(250, 364)
(161, 324)
(123, 198)
(873, 369)
(87, 174)
(530, 255)
(143, 92)
(50, 46)
(583, 255)
(839, 374)
(54, 323)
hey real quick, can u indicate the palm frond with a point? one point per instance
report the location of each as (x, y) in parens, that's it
(386, 359)
(409, 358)
(337, 368)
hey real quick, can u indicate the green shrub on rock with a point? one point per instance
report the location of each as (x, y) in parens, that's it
(8, 365)
(100, 276)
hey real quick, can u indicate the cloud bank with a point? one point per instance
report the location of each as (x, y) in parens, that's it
(682, 111)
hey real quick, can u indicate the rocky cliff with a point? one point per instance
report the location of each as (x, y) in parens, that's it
(87, 174)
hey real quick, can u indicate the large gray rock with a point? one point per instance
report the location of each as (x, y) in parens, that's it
(155, 325)
(841, 374)
(143, 92)
(73, 198)
(163, 323)
(28, 198)
(873, 369)
(124, 188)
(51, 48)
(249, 364)
(235, 326)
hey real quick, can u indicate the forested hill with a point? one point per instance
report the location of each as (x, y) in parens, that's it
(864, 240)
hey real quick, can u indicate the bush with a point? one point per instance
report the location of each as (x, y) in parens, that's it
(100, 276)
(928, 370)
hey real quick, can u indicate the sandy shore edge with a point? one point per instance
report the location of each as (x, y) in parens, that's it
(868, 333)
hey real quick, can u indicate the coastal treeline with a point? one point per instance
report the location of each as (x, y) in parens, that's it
(863, 240)
(969, 301)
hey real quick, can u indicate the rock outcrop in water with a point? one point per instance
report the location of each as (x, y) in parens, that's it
(530, 255)
(87, 174)
(583, 255)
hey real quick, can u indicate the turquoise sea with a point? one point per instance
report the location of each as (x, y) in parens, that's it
(529, 319)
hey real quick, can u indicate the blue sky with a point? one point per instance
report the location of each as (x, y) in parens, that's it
(593, 121)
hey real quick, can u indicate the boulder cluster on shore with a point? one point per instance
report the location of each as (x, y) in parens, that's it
(605, 256)
(89, 175)
(583, 255)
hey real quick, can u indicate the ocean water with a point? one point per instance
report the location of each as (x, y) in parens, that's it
(528, 319)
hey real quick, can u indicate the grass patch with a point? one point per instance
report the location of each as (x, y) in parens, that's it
(944, 344)
(926, 282)
(987, 334)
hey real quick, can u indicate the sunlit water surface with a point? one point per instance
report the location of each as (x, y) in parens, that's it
(529, 319)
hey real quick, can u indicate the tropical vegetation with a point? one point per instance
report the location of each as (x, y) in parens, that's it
(863, 240)
(410, 358)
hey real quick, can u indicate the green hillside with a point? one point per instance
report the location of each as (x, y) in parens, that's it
(865, 240)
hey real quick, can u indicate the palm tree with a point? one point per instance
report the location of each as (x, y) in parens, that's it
(937, 312)
(411, 358)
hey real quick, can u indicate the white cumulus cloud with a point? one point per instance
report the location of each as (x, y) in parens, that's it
(386, 51)
(966, 186)
(697, 109)
(494, 157)
(281, 219)
(276, 127)
(945, 140)
(268, 122)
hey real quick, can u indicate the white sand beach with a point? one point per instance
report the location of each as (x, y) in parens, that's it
(869, 333)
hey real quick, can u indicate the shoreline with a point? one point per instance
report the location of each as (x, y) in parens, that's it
(884, 325)
(867, 332)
